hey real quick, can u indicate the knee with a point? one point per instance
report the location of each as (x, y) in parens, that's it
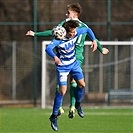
(62, 90)
(81, 85)
(62, 93)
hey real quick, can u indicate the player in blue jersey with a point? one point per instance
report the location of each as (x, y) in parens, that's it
(66, 63)
(73, 12)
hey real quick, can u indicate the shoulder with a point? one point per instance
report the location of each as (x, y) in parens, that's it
(82, 24)
(62, 22)
(56, 41)
(78, 29)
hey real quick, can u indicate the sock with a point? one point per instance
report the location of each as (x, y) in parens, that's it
(57, 90)
(79, 93)
(72, 94)
(54, 116)
(57, 102)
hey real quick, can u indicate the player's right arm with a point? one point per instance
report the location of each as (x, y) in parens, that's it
(49, 51)
(62, 22)
(43, 33)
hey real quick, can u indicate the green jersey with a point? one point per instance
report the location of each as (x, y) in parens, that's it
(79, 47)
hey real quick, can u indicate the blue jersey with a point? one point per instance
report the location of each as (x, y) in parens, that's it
(65, 48)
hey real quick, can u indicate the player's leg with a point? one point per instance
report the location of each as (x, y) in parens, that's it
(77, 74)
(73, 85)
(57, 102)
(79, 93)
(58, 97)
(61, 110)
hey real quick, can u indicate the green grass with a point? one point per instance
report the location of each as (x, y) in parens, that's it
(97, 120)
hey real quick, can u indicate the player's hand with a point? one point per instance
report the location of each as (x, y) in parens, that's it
(29, 33)
(94, 45)
(57, 60)
(105, 51)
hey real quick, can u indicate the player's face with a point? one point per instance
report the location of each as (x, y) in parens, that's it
(71, 33)
(70, 14)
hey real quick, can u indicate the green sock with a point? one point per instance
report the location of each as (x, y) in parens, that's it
(72, 94)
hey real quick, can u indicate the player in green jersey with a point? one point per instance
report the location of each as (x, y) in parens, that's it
(73, 12)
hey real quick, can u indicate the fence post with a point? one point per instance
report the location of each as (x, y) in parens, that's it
(14, 70)
(35, 55)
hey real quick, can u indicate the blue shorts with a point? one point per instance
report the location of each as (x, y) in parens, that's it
(74, 70)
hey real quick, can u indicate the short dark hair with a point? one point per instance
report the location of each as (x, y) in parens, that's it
(75, 7)
(70, 25)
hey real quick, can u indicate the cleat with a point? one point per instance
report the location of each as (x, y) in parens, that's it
(71, 112)
(80, 112)
(60, 111)
(54, 123)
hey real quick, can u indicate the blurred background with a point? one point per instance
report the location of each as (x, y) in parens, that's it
(21, 56)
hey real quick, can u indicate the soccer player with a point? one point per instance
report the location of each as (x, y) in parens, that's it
(73, 12)
(66, 63)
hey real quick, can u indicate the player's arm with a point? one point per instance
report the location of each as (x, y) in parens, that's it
(49, 51)
(86, 30)
(101, 49)
(43, 33)
(62, 22)
(90, 33)
(46, 33)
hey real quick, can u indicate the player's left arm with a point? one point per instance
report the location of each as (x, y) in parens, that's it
(90, 33)
(99, 47)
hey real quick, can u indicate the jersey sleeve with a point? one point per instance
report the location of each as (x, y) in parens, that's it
(99, 47)
(51, 46)
(46, 33)
(86, 30)
(62, 22)
(91, 36)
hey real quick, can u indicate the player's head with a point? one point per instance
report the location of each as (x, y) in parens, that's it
(70, 27)
(73, 10)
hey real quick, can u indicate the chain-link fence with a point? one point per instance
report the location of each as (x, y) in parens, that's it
(19, 81)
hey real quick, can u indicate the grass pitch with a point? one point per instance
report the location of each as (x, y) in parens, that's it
(97, 120)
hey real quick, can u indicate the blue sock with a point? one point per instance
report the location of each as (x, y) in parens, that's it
(57, 102)
(79, 93)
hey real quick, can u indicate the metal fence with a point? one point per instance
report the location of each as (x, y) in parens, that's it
(20, 61)
(103, 73)
(17, 72)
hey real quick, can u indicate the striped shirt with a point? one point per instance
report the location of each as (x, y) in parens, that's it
(65, 48)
